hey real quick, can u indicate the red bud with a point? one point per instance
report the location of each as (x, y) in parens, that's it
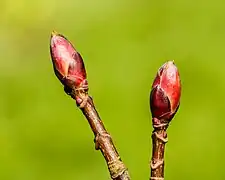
(165, 93)
(67, 62)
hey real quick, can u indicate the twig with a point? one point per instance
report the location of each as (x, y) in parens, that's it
(69, 68)
(103, 140)
(159, 139)
(164, 103)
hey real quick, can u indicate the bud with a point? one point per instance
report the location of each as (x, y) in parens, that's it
(165, 93)
(67, 62)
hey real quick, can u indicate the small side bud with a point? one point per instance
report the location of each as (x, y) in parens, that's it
(165, 93)
(67, 63)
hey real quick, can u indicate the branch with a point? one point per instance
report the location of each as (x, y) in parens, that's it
(159, 139)
(164, 103)
(69, 68)
(103, 140)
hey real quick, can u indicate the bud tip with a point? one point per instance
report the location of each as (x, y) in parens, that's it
(54, 33)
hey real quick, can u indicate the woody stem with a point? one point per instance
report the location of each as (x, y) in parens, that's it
(103, 140)
(159, 140)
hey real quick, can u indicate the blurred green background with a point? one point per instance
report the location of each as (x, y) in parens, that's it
(43, 136)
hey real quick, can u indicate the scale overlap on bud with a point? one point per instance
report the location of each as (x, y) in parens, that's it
(166, 92)
(67, 63)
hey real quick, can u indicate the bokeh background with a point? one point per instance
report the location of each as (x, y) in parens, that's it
(43, 136)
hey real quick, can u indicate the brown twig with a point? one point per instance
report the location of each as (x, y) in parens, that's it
(159, 139)
(164, 103)
(103, 140)
(70, 70)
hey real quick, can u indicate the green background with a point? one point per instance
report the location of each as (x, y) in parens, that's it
(43, 136)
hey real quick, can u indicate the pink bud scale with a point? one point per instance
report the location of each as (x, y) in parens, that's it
(67, 62)
(166, 92)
